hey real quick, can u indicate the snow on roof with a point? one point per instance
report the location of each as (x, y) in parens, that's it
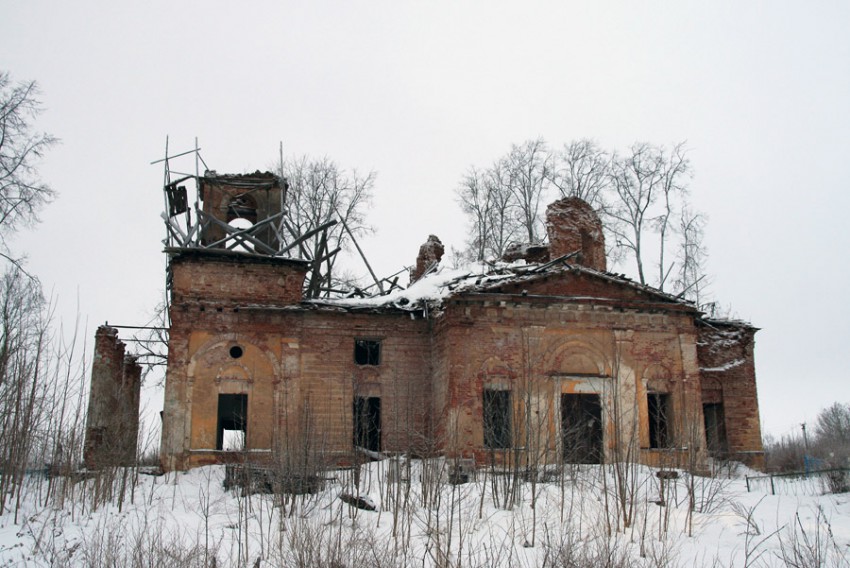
(434, 287)
(442, 282)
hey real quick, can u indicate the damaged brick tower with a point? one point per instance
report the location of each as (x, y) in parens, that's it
(254, 197)
(574, 227)
(430, 254)
(215, 336)
(574, 230)
(112, 424)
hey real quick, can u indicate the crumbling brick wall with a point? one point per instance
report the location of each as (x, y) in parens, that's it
(559, 332)
(295, 364)
(430, 254)
(574, 226)
(254, 197)
(217, 302)
(112, 423)
(728, 377)
(540, 349)
(535, 254)
(240, 328)
(213, 276)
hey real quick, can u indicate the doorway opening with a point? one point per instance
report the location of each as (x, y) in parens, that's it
(581, 428)
(367, 423)
(715, 428)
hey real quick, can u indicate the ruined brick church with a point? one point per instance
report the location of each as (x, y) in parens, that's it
(543, 358)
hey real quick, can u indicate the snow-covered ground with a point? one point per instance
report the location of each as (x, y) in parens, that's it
(573, 518)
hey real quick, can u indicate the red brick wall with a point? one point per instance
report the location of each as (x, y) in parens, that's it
(578, 284)
(261, 188)
(299, 372)
(540, 349)
(728, 373)
(112, 422)
(212, 277)
(573, 226)
(297, 368)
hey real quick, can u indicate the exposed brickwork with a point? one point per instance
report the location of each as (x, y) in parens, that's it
(577, 284)
(254, 197)
(239, 327)
(728, 376)
(112, 423)
(530, 253)
(430, 254)
(297, 366)
(573, 226)
(210, 276)
(298, 370)
(535, 348)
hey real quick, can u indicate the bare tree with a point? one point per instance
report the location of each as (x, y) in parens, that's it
(503, 201)
(691, 281)
(635, 181)
(638, 194)
(639, 179)
(529, 170)
(475, 200)
(832, 434)
(319, 191)
(503, 222)
(24, 388)
(675, 168)
(833, 423)
(583, 171)
(485, 197)
(27, 396)
(22, 193)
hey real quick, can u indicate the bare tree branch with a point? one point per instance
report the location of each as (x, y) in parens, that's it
(583, 171)
(22, 193)
(692, 256)
(320, 192)
(529, 170)
(504, 200)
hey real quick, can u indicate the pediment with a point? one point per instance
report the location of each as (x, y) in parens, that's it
(577, 284)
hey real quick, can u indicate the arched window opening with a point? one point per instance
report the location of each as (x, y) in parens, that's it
(242, 207)
(240, 223)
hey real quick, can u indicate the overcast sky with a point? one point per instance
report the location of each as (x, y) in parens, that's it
(420, 91)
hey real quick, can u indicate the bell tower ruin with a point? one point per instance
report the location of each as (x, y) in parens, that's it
(573, 226)
(257, 198)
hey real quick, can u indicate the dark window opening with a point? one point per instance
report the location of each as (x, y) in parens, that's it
(715, 428)
(367, 423)
(581, 428)
(236, 352)
(660, 420)
(497, 419)
(232, 428)
(367, 352)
